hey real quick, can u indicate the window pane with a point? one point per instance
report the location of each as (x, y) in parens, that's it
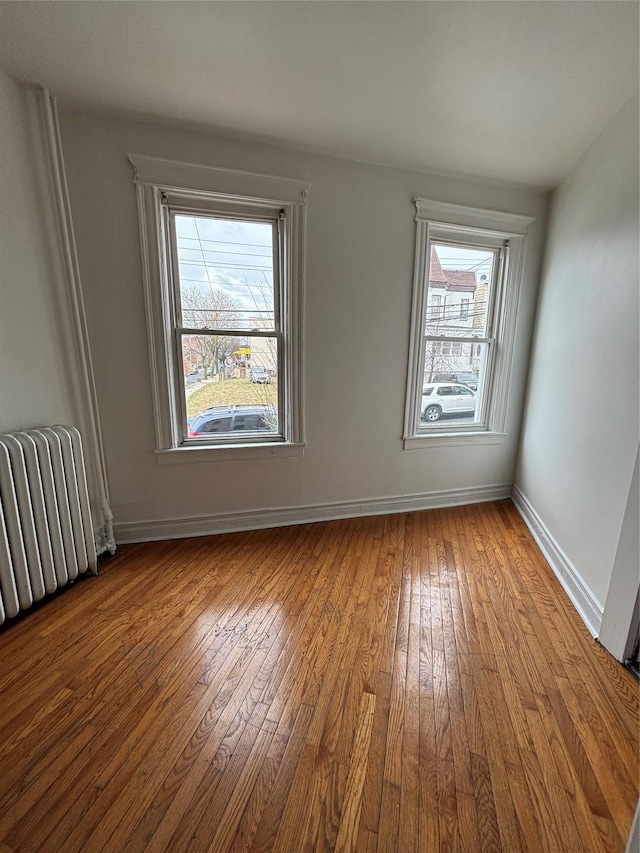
(225, 271)
(458, 293)
(445, 361)
(453, 386)
(231, 385)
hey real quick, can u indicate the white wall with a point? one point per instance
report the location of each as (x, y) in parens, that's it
(360, 242)
(34, 376)
(580, 435)
(621, 607)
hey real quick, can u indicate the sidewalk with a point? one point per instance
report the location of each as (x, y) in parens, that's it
(188, 391)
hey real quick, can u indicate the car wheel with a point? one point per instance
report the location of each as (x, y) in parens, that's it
(432, 413)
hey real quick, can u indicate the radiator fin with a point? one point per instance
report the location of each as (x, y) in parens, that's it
(46, 536)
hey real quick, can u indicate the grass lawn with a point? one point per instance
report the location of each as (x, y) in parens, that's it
(231, 392)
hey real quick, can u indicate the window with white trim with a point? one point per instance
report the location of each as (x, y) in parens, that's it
(467, 279)
(222, 261)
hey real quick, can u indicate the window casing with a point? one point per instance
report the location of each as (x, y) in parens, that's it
(458, 336)
(223, 339)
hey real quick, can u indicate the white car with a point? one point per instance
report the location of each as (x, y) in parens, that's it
(446, 398)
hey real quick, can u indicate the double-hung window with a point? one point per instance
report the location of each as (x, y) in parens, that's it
(222, 260)
(466, 284)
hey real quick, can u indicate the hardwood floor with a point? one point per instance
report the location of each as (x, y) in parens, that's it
(412, 682)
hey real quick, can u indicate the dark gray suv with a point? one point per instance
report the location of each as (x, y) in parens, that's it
(225, 419)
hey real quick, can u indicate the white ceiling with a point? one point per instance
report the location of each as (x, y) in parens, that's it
(513, 90)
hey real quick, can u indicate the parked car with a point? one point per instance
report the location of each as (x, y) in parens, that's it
(196, 375)
(461, 378)
(443, 398)
(223, 419)
(260, 375)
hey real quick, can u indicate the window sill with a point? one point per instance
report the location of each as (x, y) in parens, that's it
(186, 455)
(451, 439)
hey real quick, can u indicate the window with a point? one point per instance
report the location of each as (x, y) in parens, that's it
(222, 257)
(468, 264)
(435, 300)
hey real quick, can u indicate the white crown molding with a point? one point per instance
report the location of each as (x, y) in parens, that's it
(231, 522)
(173, 173)
(581, 596)
(471, 217)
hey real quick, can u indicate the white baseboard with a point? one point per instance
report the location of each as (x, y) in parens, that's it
(230, 522)
(581, 596)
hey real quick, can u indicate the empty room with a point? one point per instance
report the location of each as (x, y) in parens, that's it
(319, 426)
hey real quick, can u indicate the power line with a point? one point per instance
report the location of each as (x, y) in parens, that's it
(222, 252)
(221, 266)
(201, 240)
(184, 280)
(195, 223)
(226, 311)
(456, 271)
(435, 316)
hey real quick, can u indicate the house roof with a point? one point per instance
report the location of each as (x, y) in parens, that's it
(456, 280)
(436, 273)
(461, 280)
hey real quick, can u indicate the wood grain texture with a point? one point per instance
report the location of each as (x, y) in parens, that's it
(412, 683)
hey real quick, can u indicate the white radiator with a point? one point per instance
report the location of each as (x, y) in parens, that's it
(46, 535)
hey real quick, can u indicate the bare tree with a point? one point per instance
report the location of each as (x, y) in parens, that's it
(442, 356)
(452, 355)
(438, 360)
(213, 309)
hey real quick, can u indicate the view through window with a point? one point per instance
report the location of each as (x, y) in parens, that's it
(228, 325)
(457, 333)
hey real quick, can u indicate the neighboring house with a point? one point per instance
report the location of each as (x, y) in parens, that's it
(450, 311)
(263, 349)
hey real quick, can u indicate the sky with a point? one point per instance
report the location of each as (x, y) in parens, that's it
(232, 255)
(457, 258)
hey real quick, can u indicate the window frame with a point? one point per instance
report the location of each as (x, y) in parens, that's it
(467, 226)
(219, 207)
(165, 188)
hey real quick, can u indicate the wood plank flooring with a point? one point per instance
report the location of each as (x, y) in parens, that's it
(413, 683)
